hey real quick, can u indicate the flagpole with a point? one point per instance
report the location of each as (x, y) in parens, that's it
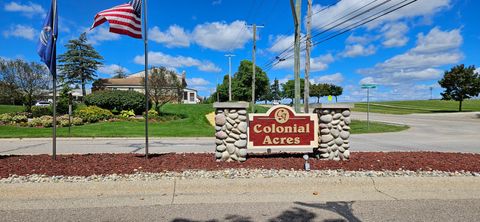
(146, 74)
(54, 74)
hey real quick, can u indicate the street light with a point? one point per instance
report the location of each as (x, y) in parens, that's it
(368, 87)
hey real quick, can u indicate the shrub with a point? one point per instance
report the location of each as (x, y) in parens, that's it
(93, 114)
(19, 119)
(127, 113)
(38, 111)
(6, 118)
(77, 121)
(117, 100)
(43, 121)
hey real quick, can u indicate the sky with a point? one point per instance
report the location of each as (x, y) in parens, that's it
(405, 52)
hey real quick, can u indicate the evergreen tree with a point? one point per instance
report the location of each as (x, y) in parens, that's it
(79, 63)
(275, 90)
(460, 83)
(242, 82)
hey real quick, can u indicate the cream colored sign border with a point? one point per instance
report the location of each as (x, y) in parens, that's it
(314, 117)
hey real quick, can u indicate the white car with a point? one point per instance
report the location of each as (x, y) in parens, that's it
(42, 103)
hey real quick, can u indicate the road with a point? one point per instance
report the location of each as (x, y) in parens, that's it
(447, 132)
(257, 199)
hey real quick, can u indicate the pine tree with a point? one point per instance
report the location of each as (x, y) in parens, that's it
(79, 63)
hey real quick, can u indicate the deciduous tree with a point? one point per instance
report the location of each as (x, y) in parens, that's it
(460, 83)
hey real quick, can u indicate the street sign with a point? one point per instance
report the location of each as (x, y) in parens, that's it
(369, 86)
(281, 127)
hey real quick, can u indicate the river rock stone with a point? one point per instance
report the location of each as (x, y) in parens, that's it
(335, 133)
(331, 155)
(323, 150)
(218, 141)
(221, 135)
(243, 136)
(230, 140)
(235, 136)
(231, 121)
(346, 154)
(242, 112)
(218, 128)
(347, 120)
(325, 155)
(220, 119)
(325, 131)
(241, 143)
(346, 128)
(346, 113)
(323, 145)
(229, 126)
(219, 111)
(233, 115)
(234, 157)
(236, 131)
(325, 111)
(323, 126)
(331, 143)
(230, 148)
(336, 122)
(237, 120)
(242, 152)
(242, 127)
(218, 155)
(327, 138)
(225, 155)
(341, 149)
(221, 148)
(326, 118)
(344, 135)
(242, 118)
(242, 159)
(339, 141)
(346, 146)
(337, 116)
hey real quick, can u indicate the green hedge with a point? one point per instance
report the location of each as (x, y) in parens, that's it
(92, 114)
(38, 111)
(117, 100)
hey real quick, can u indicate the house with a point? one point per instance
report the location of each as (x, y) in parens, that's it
(135, 82)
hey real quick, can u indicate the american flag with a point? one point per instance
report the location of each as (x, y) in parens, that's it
(124, 19)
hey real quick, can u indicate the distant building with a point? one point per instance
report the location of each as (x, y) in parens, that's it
(135, 82)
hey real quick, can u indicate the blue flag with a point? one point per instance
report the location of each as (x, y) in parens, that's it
(46, 47)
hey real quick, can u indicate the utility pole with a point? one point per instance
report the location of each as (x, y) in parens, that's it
(431, 93)
(229, 76)
(308, 44)
(296, 12)
(254, 26)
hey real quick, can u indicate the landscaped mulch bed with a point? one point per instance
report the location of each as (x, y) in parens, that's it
(90, 164)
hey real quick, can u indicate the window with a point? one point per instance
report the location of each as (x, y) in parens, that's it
(185, 95)
(192, 97)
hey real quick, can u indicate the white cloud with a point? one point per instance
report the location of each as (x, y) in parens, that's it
(161, 59)
(358, 50)
(281, 43)
(433, 50)
(100, 34)
(110, 69)
(323, 19)
(216, 2)
(28, 10)
(285, 79)
(174, 36)
(20, 31)
(335, 78)
(394, 34)
(364, 39)
(222, 36)
(197, 82)
(477, 70)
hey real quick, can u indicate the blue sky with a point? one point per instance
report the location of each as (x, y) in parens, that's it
(405, 52)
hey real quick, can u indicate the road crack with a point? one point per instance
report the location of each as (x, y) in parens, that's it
(386, 194)
(174, 189)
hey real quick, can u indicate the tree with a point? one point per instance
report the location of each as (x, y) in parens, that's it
(9, 92)
(289, 88)
(460, 83)
(335, 91)
(32, 79)
(242, 82)
(319, 90)
(79, 63)
(163, 87)
(275, 90)
(119, 73)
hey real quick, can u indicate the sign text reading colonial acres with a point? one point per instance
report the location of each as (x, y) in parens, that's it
(281, 127)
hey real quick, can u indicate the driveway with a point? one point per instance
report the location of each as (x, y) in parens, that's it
(451, 132)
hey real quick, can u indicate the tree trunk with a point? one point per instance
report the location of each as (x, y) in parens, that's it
(460, 106)
(318, 99)
(336, 99)
(83, 89)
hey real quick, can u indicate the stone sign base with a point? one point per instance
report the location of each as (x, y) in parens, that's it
(334, 131)
(231, 131)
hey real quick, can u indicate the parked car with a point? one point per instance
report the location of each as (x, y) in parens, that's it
(42, 103)
(276, 102)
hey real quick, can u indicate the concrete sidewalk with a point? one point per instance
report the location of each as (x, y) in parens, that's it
(198, 191)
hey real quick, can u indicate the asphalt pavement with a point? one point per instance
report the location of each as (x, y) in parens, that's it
(446, 132)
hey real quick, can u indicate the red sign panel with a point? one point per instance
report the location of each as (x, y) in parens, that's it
(281, 127)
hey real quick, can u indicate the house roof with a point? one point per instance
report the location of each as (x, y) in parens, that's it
(132, 81)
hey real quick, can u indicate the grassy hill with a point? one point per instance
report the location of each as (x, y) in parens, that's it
(418, 106)
(10, 109)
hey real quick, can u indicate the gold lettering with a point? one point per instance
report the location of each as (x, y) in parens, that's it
(308, 128)
(289, 140)
(280, 129)
(301, 129)
(288, 129)
(255, 128)
(275, 140)
(297, 140)
(267, 140)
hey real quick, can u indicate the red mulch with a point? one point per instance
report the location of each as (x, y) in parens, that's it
(85, 165)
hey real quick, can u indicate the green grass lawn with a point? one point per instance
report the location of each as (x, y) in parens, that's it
(195, 124)
(418, 106)
(10, 109)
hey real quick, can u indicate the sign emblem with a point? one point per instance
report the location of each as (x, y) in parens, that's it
(45, 35)
(281, 127)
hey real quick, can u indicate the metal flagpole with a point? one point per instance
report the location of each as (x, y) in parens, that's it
(146, 74)
(54, 74)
